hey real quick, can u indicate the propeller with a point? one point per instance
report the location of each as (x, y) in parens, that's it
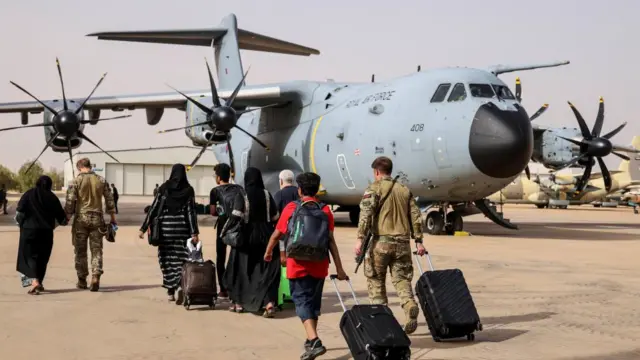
(593, 146)
(540, 111)
(220, 117)
(65, 122)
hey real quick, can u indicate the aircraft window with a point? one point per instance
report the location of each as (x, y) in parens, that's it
(503, 92)
(458, 93)
(481, 90)
(441, 93)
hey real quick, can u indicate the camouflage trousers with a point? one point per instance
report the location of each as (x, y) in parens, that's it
(394, 254)
(88, 228)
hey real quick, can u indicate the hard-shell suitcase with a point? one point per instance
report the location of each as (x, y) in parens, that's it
(371, 331)
(446, 303)
(199, 283)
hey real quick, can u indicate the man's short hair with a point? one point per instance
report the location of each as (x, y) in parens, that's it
(223, 171)
(286, 176)
(383, 164)
(83, 163)
(309, 183)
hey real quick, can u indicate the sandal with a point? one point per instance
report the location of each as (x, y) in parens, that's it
(269, 313)
(34, 291)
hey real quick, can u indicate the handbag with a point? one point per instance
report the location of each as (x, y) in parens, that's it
(154, 236)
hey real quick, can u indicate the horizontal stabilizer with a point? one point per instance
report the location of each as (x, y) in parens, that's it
(247, 40)
(501, 69)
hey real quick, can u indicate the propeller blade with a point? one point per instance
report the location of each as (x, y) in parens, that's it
(528, 172)
(83, 136)
(253, 137)
(25, 126)
(200, 106)
(606, 176)
(629, 149)
(182, 128)
(105, 119)
(254, 109)
(34, 98)
(214, 91)
(69, 150)
(518, 90)
(231, 161)
(621, 156)
(204, 148)
(540, 111)
(90, 94)
(43, 150)
(571, 162)
(597, 127)
(232, 98)
(64, 96)
(576, 142)
(584, 129)
(582, 182)
(615, 131)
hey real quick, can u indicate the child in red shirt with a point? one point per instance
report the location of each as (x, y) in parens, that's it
(306, 278)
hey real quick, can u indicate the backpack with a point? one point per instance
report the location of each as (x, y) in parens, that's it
(308, 232)
(226, 197)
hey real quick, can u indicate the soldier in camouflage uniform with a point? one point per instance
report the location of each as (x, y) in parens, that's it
(84, 201)
(398, 219)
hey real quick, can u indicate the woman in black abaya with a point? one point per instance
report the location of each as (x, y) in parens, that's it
(36, 214)
(178, 222)
(253, 283)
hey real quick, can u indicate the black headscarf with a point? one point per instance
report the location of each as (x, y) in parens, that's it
(41, 204)
(254, 187)
(177, 189)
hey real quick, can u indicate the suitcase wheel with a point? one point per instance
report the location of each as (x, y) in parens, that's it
(437, 339)
(187, 302)
(471, 337)
(479, 327)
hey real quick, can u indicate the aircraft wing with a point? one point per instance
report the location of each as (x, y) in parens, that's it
(249, 96)
(599, 175)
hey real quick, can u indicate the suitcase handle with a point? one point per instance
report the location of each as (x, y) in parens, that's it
(333, 278)
(428, 261)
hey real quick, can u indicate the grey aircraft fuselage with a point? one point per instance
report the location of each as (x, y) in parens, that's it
(339, 128)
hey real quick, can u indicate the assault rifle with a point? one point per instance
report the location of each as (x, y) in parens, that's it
(369, 235)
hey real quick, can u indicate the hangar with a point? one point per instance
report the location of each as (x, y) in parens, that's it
(140, 170)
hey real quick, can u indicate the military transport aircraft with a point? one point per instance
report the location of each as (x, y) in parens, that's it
(455, 135)
(63, 120)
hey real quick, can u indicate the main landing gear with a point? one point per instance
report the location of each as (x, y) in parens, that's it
(439, 222)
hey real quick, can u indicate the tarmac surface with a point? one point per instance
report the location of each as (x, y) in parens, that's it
(564, 286)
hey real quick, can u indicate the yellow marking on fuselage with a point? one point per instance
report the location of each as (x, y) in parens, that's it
(312, 159)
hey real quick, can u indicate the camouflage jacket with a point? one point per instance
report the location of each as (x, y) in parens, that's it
(85, 194)
(399, 215)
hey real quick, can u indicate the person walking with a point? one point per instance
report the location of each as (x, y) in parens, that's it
(392, 222)
(221, 204)
(37, 213)
(178, 222)
(116, 196)
(288, 190)
(84, 202)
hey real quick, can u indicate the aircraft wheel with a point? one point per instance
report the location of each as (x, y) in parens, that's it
(540, 206)
(434, 223)
(455, 221)
(597, 205)
(354, 216)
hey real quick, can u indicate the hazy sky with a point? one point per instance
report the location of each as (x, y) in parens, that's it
(356, 38)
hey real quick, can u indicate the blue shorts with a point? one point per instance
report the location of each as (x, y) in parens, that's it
(306, 294)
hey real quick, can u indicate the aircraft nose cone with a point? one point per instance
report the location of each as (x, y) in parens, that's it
(500, 142)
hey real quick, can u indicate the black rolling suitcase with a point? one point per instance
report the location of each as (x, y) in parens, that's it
(371, 331)
(446, 303)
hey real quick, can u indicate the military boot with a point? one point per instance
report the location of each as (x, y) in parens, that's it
(411, 315)
(95, 283)
(82, 283)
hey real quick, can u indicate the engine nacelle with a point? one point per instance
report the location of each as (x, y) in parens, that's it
(552, 151)
(154, 115)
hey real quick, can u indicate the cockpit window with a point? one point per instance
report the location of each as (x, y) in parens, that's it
(458, 93)
(481, 90)
(503, 92)
(441, 93)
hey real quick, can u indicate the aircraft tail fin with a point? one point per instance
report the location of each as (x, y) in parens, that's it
(226, 40)
(501, 69)
(632, 166)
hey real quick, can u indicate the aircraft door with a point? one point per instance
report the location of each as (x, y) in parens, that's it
(440, 149)
(344, 172)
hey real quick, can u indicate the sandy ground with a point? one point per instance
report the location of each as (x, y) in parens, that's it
(565, 286)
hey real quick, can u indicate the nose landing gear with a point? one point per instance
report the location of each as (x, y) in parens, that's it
(439, 223)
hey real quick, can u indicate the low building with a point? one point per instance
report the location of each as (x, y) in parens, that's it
(140, 170)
